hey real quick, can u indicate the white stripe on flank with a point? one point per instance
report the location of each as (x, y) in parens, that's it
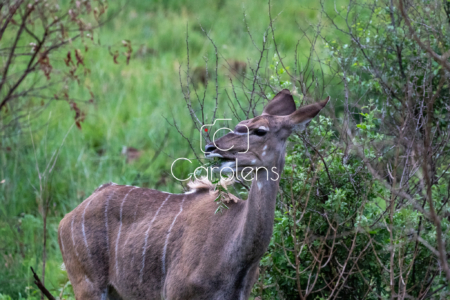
(134, 226)
(146, 238)
(89, 282)
(167, 238)
(106, 221)
(71, 233)
(120, 229)
(83, 229)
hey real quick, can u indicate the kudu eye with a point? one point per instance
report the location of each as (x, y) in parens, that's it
(260, 132)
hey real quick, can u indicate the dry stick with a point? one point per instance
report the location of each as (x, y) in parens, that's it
(440, 59)
(62, 290)
(43, 178)
(323, 160)
(370, 287)
(399, 51)
(29, 69)
(202, 102)
(282, 273)
(381, 179)
(12, 10)
(402, 194)
(44, 212)
(416, 247)
(231, 105)
(252, 106)
(350, 251)
(44, 244)
(426, 163)
(332, 245)
(345, 264)
(235, 97)
(283, 246)
(416, 251)
(182, 134)
(409, 269)
(346, 119)
(294, 236)
(41, 286)
(376, 255)
(187, 95)
(159, 149)
(261, 282)
(401, 281)
(275, 43)
(391, 216)
(322, 252)
(13, 49)
(361, 48)
(216, 99)
(428, 285)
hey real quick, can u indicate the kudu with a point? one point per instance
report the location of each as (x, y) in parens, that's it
(125, 242)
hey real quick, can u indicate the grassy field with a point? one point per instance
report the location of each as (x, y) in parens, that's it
(132, 103)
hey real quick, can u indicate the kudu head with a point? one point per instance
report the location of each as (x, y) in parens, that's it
(260, 142)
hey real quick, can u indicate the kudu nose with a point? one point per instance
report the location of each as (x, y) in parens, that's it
(210, 148)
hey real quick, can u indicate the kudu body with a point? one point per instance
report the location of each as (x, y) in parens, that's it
(125, 242)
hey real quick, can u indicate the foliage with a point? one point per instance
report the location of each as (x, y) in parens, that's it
(129, 111)
(43, 48)
(354, 215)
(318, 195)
(363, 209)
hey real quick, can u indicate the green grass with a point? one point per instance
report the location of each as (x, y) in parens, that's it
(130, 107)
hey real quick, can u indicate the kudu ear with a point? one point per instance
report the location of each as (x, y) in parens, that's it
(281, 105)
(299, 119)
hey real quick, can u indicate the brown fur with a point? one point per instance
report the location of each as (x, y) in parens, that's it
(125, 242)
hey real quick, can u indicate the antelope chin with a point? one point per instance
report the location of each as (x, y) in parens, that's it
(219, 159)
(210, 155)
(227, 166)
(222, 164)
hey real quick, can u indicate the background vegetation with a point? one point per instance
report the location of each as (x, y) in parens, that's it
(363, 208)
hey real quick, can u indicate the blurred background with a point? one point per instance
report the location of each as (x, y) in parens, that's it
(96, 91)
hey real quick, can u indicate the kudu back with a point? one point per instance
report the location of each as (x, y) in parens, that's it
(126, 242)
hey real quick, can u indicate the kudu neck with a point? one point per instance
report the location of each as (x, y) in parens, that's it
(260, 208)
(266, 182)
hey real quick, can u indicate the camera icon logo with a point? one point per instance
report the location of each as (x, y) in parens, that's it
(206, 128)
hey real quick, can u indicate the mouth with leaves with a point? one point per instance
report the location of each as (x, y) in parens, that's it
(220, 162)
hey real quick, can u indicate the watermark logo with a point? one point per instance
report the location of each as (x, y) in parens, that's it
(228, 167)
(206, 128)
